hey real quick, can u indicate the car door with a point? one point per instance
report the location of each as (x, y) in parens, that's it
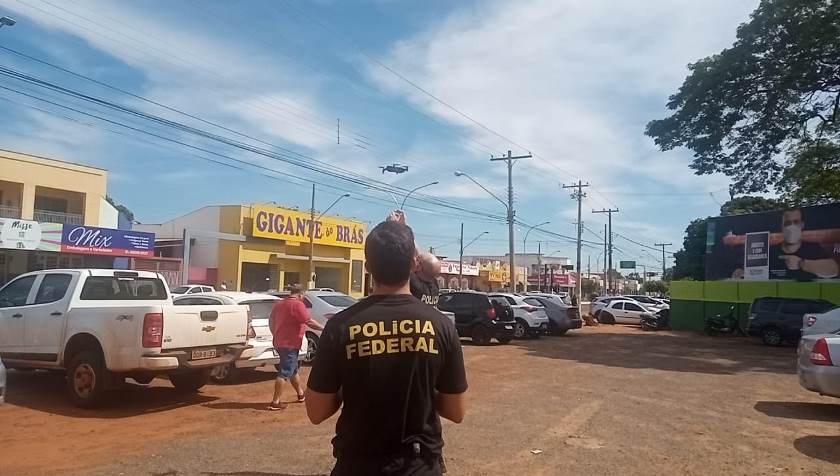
(13, 307)
(633, 313)
(45, 318)
(616, 308)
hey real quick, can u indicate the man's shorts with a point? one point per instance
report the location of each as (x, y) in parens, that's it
(288, 366)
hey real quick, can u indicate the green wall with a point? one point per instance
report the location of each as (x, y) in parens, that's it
(692, 301)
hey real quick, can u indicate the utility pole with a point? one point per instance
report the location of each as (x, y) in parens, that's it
(609, 213)
(510, 213)
(606, 286)
(663, 245)
(461, 260)
(578, 195)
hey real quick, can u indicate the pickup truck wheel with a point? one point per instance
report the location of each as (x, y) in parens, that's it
(311, 348)
(189, 382)
(520, 329)
(224, 373)
(771, 336)
(480, 335)
(86, 379)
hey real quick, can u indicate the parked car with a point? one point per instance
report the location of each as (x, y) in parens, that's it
(260, 340)
(530, 320)
(777, 319)
(648, 301)
(623, 311)
(2, 382)
(601, 302)
(322, 305)
(561, 297)
(191, 289)
(818, 363)
(478, 317)
(101, 326)
(827, 322)
(561, 316)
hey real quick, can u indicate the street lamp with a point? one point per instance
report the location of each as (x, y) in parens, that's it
(525, 240)
(512, 270)
(312, 219)
(416, 189)
(6, 21)
(461, 259)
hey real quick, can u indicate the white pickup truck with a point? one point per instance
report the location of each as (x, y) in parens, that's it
(102, 326)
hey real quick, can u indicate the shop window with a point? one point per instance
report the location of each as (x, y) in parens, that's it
(356, 276)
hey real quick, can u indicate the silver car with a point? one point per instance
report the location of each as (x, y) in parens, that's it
(818, 363)
(530, 320)
(2, 382)
(322, 305)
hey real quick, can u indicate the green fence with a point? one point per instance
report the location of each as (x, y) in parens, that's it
(692, 301)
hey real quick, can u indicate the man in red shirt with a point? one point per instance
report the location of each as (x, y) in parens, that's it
(288, 321)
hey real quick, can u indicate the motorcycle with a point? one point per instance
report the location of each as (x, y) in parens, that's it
(723, 324)
(655, 322)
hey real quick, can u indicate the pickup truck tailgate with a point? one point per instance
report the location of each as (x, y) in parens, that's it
(199, 326)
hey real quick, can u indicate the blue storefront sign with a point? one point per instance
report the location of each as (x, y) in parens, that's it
(106, 241)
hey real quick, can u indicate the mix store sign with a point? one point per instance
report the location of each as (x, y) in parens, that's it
(292, 225)
(32, 235)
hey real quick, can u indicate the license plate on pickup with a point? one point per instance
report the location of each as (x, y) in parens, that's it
(199, 354)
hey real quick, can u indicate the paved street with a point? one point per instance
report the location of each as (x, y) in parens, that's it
(610, 400)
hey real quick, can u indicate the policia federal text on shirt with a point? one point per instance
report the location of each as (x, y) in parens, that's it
(394, 363)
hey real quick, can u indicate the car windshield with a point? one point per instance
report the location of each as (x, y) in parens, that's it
(338, 300)
(113, 288)
(260, 309)
(181, 290)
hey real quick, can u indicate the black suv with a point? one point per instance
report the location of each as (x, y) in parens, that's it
(777, 319)
(479, 317)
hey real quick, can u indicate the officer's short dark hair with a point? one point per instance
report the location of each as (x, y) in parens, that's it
(389, 251)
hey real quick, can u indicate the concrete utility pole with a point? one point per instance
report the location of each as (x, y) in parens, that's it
(461, 260)
(539, 266)
(510, 213)
(663, 245)
(609, 213)
(578, 195)
(606, 286)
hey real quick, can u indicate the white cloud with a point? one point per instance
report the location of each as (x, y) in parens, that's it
(577, 81)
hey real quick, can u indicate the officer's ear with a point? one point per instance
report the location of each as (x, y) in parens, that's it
(416, 265)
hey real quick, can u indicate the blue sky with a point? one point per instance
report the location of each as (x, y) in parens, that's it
(572, 82)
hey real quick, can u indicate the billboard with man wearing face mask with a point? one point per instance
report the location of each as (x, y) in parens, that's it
(797, 244)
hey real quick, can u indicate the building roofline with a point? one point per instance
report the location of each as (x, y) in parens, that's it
(51, 159)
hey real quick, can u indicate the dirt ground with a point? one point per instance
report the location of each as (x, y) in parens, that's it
(606, 400)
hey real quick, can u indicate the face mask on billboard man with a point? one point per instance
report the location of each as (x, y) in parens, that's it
(795, 259)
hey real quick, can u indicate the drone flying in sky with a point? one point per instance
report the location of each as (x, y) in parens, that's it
(395, 168)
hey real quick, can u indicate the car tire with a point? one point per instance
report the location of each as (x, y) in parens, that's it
(143, 379)
(86, 379)
(191, 381)
(520, 329)
(480, 335)
(224, 373)
(606, 318)
(504, 340)
(311, 348)
(771, 336)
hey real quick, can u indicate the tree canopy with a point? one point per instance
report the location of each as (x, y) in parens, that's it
(655, 287)
(748, 111)
(121, 208)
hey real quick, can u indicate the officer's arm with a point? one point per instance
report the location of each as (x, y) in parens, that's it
(320, 406)
(451, 406)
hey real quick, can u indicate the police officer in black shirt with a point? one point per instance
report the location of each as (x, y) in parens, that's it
(394, 363)
(424, 285)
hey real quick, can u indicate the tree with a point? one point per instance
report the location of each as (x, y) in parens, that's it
(749, 204)
(689, 262)
(121, 208)
(813, 177)
(776, 89)
(655, 287)
(588, 287)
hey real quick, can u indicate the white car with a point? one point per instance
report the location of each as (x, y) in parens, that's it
(826, 323)
(530, 320)
(623, 311)
(260, 339)
(101, 326)
(191, 289)
(648, 301)
(322, 305)
(818, 363)
(2, 382)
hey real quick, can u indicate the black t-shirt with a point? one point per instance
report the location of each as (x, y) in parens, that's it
(388, 355)
(807, 250)
(426, 291)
